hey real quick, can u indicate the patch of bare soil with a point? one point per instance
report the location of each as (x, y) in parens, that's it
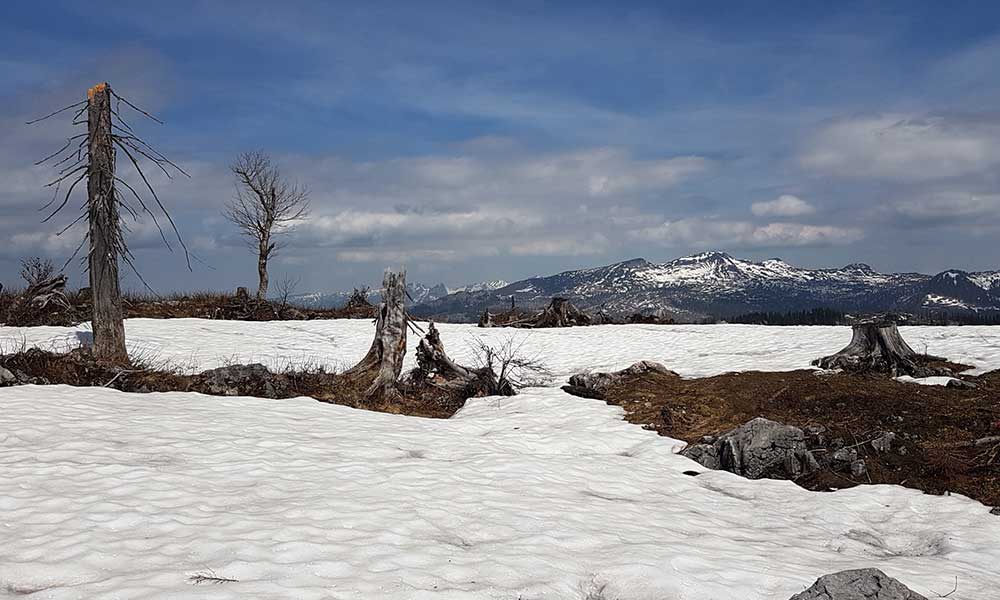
(936, 428)
(78, 368)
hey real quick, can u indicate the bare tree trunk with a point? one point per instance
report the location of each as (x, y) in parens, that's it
(384, 360)
(262, 257)
(108, 327)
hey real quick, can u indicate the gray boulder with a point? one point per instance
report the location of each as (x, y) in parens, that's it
(242, 380)
(6, 377)
(595, 385)
(859, 584)
(757, 449)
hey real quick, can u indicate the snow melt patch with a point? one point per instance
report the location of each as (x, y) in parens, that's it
(114, 495)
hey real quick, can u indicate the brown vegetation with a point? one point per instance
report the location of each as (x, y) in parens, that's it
(946, 436)
(78, 368)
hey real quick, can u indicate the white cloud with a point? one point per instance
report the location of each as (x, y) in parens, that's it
(903, 148)
(785, 205)
(707, 233)
(951, 206)
(589, 244)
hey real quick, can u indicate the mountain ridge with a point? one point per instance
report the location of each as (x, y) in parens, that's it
(716, 285)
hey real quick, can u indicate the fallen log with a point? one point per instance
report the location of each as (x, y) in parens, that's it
(877, 347)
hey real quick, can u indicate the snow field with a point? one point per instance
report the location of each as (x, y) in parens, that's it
(106, 494)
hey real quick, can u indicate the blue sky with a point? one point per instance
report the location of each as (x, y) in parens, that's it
(472, 141)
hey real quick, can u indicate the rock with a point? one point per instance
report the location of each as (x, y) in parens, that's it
(6, 377)
(859, 584)
(960, 383)
(883, 443)
(757, 449)
(858, 467)
(995, 511)
(844, 457)
(242, 380)
(595, 385)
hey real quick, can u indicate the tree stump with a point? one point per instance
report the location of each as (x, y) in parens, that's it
(42, 303)
(435, 366)
(384, 361)
(877, 347)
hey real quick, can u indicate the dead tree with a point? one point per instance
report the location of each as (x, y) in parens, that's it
(265, 206)
(384, 361)
(93, 159)
(36, 270)
(877, 347)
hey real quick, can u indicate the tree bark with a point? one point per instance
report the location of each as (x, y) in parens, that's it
(877, 347)
(105, 235)
(384, 360)
(262, 256)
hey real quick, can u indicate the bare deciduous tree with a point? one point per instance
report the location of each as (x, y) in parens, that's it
(266, 205)
(36, 269)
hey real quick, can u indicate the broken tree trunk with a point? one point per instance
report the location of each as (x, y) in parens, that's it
(384, 361)
(877, 347)
(559, 313)
(105, 233)
(436, 367)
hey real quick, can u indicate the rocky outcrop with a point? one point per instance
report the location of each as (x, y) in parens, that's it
(596, 385)
(757, 449)
(859, 584)
(242, 380)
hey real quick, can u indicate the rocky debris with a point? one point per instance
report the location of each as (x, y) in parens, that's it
(7, 378)
(758, 449)
(858, 584)
(595, 385)
(242, 380)
(995, 511)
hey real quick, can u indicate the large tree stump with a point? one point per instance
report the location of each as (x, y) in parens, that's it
(384, 361)
(877, 347)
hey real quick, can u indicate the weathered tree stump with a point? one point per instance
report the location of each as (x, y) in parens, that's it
(877, 347)
(436, 367)
(42, 303)
(384, 361)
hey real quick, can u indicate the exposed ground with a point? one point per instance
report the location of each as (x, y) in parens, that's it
(77, 368)
(931, 422)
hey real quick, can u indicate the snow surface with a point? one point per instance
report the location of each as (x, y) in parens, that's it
(114, 495)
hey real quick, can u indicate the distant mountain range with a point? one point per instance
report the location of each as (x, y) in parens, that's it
(716, 285)
(419, 294)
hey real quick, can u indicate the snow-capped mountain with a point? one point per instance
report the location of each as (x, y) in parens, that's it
(718, 285)
(419, 294)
